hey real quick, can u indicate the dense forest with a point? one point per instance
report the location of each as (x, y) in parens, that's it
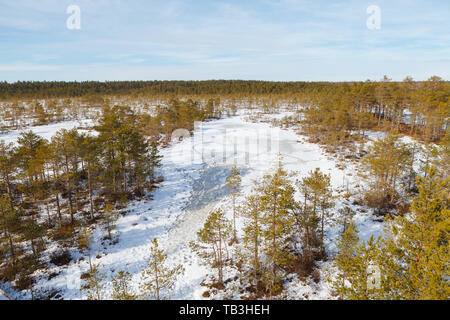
(54, 192)
(36, 90)
(333, 109)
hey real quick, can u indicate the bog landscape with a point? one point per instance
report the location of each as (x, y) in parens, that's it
(130, 189)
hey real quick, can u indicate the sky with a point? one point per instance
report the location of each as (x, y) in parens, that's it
(276, 40)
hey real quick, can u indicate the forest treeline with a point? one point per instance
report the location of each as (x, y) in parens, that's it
(333, 112)
(54, 89)
(60, 89)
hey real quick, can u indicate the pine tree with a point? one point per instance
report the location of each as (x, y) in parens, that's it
(412, 256)
(316, 188)
(25, 155)
(32, 231)
(84, 244)
(110, 217)
(416, 248)
(9, 220)
(277, 203)
(93, 283)
(356, 264)
(158, 279)
(442, 162)
(121, 287)
(386, 162)
(124, 147)
(90, 153)
(64, 142)
(54, 178)
(307, 226)
(365, 284)
(154, 160)
(252, 211)
(212, 238)
(7, 168)
(233, 182)
(345, 259)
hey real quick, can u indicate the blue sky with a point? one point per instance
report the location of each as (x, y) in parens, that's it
(228, 39)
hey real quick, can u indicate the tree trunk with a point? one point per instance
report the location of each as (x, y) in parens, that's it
(69, 190)
(11, 245)
(8, 190)
(323, 217)
(274, 245)
(91, 202)
(124, 177)
(157, 281)
(234, 216)
(220, 257)
(256, 260)
(58, 208)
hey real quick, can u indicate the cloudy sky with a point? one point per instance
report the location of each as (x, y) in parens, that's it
(289, 40)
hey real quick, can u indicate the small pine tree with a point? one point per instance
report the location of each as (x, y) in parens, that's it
(367, 261)
(84, 244)
(307, 225)
(345, 259)
(33, 231)
(233, 181)
(277, 203)
(158, 279)
(251, 210)
(387, 161)
(212, 236)
(354, 262)
(8, 220)
(110, 217)
(93, 284)
(316, 188)
(154, 160)
(121, 287)
(442, 162)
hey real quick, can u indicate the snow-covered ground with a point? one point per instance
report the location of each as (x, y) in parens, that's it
(46, 131)
(194, 172)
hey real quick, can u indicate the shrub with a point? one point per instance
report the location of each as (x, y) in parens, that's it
(61, 258)
(316, 276)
